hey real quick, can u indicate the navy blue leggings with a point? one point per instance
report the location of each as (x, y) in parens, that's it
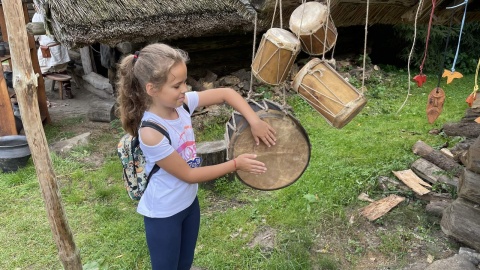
(171, 241)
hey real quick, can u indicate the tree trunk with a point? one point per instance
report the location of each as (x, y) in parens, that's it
(469, 186)
(464, 129)
(25, 82)
(102, 111)
(461, 220)
(7, 121)
(432, 173)
(213, 153)
(436, 157)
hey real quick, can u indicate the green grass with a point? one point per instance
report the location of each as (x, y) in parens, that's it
(304, 218)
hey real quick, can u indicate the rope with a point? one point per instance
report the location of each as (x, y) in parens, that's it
(420, 5)
(250, 92)
(365, 46)
(275, 13)
(434, 3)
(445, 51)
(461, 30)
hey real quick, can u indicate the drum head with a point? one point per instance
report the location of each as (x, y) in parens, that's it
(286, 160)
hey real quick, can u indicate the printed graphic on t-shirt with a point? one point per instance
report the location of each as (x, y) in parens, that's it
(187, 148)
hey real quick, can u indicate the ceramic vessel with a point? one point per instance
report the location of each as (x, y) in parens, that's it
(14, 152)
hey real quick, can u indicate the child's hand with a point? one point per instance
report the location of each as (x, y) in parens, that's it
(247, 163)
(261, 130)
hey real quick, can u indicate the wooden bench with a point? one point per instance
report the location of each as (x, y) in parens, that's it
(60, 78)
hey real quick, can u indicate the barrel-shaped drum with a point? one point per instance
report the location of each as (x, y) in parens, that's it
(285, 161)
(328, 93)
(275, 56)
(315, 28)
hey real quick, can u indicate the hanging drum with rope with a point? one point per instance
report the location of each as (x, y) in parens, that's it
(328, 93)
(312, 23)
(275, 56)
(286, 160)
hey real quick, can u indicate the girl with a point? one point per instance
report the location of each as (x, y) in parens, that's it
(152, 87)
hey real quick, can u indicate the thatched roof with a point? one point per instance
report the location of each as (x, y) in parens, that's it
(83, 22)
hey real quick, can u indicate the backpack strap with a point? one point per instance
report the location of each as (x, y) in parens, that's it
(185, 106)
(162, 130)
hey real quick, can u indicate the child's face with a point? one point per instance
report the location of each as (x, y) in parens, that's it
(172, 93)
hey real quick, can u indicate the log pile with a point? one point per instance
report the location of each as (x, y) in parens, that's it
(453, 171)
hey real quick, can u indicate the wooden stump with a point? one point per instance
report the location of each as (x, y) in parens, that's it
(213, 153)
(472, 158)
(436, 157)
(102, 111)
(436, 208)
(461, 220)
(469, 186)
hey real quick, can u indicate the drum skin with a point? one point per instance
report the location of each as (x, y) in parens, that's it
(285, 161)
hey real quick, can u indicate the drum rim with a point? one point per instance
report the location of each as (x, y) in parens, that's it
(302, 131)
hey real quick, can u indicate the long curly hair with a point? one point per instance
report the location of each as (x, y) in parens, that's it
(150, 66)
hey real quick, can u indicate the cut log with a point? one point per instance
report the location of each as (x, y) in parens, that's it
(98, 81)
(213, 153)
(436, 157)
(464, 129)
(461, 220)
(460, 149)
(379, 208)
(472, 158)
(413, 181)
(432, 173)
(469, 186)
(436, 208)
(432, 197)
(99, 92)
(446, 152)
(102, 111)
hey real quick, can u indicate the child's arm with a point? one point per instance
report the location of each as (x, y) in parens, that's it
(260, 129)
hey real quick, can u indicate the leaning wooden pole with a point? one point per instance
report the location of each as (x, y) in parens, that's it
(25, 85)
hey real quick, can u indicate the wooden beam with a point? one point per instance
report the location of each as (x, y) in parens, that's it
(86, 60)
(7, 121)
(25, 85)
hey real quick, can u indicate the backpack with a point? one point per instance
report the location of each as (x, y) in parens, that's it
(133, 161)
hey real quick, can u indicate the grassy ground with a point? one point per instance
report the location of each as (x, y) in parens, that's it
(312, 224)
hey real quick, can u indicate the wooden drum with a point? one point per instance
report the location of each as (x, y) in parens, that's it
(275, 56)
(286, 160)
(326, 91)
(314, 26)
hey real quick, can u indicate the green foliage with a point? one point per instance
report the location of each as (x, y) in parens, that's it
(468, 53)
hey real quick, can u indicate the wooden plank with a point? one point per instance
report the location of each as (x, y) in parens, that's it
(7, 120)
(413, 181)
(379, 208)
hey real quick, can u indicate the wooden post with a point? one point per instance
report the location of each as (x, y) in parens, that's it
(7, 121)
(25, 85)
(86, 61)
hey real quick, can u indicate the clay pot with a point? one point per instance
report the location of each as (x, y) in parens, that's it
(14, 152)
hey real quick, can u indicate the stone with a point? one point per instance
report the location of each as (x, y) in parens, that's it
(66, 146)
(456, 262)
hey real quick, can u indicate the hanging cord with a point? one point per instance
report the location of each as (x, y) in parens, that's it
(365, 47)
(250, 92)
(275, 13)
(326, 30)
(475, 88)
(445, 51)
(461, 30)
(434, 3)
(420, 5)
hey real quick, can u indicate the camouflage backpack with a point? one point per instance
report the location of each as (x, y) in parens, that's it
(133, 161)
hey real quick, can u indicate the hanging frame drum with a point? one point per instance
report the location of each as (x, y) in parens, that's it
(285, 161)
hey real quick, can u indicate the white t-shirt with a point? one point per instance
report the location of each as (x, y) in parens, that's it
(59, 53)
(167, 195)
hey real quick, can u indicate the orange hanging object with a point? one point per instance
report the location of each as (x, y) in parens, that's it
(451, 75)
(471, 98)
(420, 79)
(436, 99)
